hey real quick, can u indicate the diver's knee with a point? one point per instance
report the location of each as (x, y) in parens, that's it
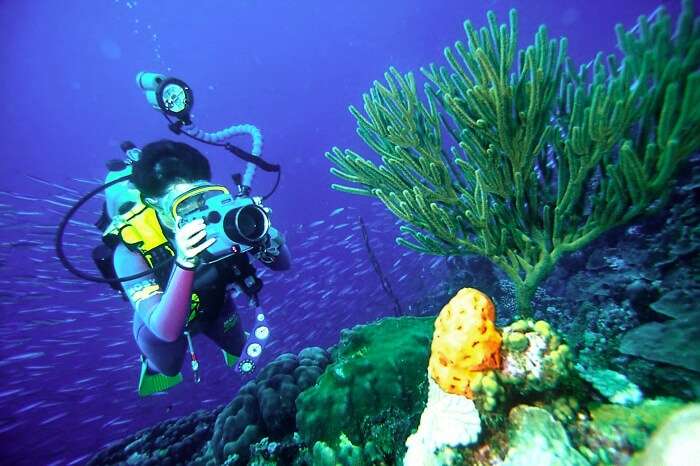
(164, 357)
(170, 368)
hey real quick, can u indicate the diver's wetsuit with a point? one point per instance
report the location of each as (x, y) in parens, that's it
(167, 356)
(160, 316)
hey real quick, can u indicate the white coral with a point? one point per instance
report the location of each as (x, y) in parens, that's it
(448, 420)
(529, 362)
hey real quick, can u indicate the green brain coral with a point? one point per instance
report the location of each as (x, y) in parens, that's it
(378, 369)
(634, 424)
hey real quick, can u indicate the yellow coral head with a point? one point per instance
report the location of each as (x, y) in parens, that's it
(465, 342)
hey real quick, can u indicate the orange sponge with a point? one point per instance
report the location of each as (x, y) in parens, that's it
(465, 342)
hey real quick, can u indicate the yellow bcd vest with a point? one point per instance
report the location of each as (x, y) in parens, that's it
(140, 231)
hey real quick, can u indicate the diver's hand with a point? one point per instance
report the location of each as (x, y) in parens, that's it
(189, 241)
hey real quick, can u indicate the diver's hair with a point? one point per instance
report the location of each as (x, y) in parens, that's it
(162, 162)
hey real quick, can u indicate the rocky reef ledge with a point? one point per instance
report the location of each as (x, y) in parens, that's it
(451, 390)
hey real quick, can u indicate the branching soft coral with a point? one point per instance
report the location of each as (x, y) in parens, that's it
(547, 157)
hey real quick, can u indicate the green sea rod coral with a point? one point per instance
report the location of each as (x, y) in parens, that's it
(545, 157)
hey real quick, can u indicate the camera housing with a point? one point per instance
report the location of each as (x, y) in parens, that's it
(238, 223)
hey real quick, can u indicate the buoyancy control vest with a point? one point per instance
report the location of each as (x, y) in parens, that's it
(138, 228)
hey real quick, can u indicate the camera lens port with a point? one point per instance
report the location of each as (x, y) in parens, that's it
(247, 224)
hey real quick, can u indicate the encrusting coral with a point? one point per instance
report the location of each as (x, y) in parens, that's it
(547, 158)
(536, 438)
(616, 432)
(612, 385)
(676, 441)
(475, 369)
(535, 359)
(523, 403)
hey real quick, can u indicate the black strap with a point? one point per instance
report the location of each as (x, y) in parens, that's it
(248, 157)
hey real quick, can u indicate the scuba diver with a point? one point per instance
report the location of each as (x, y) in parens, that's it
(177, 246)
(189, 298)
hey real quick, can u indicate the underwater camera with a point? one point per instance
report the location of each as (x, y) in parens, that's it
(238, 223)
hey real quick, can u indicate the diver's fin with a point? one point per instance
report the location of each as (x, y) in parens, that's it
(154, 383)
(230, 359)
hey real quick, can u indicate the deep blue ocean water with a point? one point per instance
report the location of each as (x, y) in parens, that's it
(68, 362)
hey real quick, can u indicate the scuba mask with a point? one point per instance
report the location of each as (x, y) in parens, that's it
(238, 223)
(184, 199)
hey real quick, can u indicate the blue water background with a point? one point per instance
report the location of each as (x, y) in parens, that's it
(68, 366)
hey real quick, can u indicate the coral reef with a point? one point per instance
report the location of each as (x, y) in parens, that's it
(548, 157)
(345, 453)
(361, 405)
(447, 420)
(465, 342)
(612, 385)
(264, 407)
(598, 294)
(642, 274)
(535, 437)
(612, 434)
(651, 275)
(377, 369)
(171, 443)
(467, 362)
(669, 341)
(536, 398)
(675, 443)
(288, 451)
(597, 329)
(535, 359)
(260, 418)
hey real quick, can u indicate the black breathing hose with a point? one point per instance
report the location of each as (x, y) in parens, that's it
(62, 228)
